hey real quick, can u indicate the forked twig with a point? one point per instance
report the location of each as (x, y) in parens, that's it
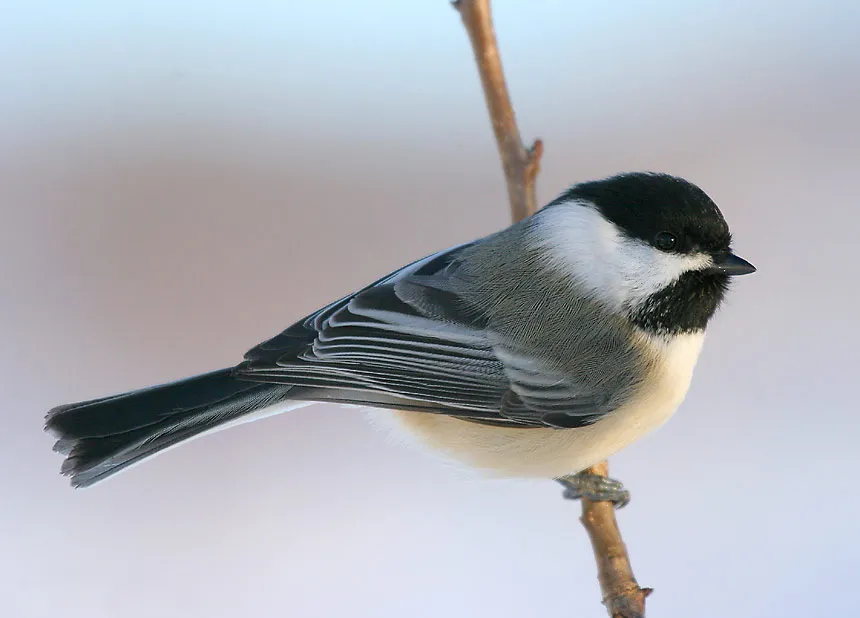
(521, 164)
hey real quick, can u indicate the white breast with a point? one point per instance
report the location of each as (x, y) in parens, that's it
(550, 453)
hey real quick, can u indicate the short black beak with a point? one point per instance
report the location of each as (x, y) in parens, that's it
(731, 265)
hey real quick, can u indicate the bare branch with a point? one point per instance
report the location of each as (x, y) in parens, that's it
(622, 595)
(520, 164)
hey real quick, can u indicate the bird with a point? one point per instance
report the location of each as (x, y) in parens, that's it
(535, 352)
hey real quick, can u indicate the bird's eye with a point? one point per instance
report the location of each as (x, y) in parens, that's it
(665, 241)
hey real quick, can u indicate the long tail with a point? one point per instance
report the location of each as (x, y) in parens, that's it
(104, 436)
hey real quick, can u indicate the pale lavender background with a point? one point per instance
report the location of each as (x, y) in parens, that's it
(180, 180)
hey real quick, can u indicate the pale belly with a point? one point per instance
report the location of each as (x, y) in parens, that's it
(550, 453)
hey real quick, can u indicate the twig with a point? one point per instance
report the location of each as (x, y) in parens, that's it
(622, 595)
(521, 164)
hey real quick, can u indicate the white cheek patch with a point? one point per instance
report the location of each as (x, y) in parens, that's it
(616, 270)
(645, 270)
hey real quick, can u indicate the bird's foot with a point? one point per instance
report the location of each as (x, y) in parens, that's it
(595, 488)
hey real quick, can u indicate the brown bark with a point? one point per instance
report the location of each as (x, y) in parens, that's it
(520, 164)
(622, 595)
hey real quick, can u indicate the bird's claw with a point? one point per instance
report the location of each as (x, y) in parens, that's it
(596, 488)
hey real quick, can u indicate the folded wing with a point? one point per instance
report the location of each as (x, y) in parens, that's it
(410, 341)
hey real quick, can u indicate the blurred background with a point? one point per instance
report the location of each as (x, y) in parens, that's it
(181, 180)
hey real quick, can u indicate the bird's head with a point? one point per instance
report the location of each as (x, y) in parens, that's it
(651, 246)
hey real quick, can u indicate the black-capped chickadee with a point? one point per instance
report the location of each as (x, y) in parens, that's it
(536, 351)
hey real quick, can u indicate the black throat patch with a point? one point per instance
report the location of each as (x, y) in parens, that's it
(685, 306)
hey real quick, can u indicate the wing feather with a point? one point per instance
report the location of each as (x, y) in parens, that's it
(411, 341)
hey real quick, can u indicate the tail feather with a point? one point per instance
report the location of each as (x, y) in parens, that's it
(103, 436)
